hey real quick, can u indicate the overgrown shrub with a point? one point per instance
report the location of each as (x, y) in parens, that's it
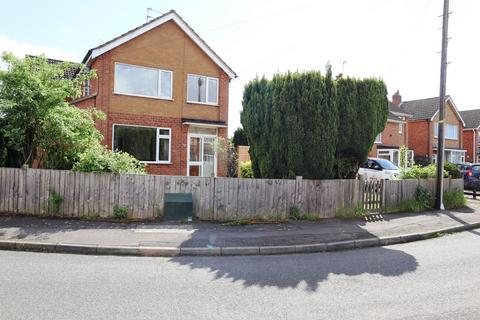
(418, 172)
(246, 169)
(452, 170)
(100, 159)
(307, 124)
(454, 199)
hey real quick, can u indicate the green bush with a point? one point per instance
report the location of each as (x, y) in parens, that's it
(246, 169)
(418, 172)
(120, 212)
(101, 159)
(454, 199)
(452, 170)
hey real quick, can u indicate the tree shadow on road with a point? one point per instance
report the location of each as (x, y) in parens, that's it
(292, 271)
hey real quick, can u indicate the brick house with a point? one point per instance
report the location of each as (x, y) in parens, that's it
(395, 135)
(471, 134)
(165, 94)
(423, 128)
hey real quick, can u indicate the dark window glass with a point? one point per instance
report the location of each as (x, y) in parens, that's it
(140, 142)
(163, 149)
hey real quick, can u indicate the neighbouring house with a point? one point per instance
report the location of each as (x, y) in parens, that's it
(395, 135)
(471, 134)
(165, 94)
(423, 129)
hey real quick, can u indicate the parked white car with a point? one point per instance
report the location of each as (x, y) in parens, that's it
(378, 169)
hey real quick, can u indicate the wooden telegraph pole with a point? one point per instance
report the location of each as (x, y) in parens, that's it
(441, 109)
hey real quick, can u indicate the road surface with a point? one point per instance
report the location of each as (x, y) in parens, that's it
(431, 279)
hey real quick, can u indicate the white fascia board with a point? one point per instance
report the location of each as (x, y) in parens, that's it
(171, 16)
(396, 121)
(209, 125)
(454, 110)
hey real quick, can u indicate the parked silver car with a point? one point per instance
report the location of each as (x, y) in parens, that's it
(378, 169)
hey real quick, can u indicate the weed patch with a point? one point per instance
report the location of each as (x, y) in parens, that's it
(120, 212)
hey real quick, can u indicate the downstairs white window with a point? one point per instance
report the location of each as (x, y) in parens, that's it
(147, 144)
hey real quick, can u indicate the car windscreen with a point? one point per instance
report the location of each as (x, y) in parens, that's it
(387, 165)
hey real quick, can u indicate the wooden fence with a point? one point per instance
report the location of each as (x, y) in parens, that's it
(398, 191)
(35, 191)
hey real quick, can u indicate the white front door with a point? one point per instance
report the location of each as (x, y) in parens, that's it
(201, 155)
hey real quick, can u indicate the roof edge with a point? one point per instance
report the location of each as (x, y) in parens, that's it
(171, 15)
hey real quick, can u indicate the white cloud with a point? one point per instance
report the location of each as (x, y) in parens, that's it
(20, 49)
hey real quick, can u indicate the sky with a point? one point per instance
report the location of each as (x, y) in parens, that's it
(396, 40)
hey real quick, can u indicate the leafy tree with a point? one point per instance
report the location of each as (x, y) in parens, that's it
(37, 120)
(307, 124)
(239, 138)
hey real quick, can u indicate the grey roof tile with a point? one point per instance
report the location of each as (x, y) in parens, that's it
(391, 116)
(471, 118)
(69, 73)
(421, 109)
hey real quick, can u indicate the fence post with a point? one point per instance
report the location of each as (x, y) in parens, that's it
(299, 192)
(361, 193)
(382, 200)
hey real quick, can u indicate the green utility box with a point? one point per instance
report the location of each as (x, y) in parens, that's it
(178, 206)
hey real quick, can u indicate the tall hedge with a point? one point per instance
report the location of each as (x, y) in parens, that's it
(307, 124)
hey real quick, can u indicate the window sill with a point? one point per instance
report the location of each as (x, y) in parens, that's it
(447, 139)
(203, 103)
(155, 162)
(142, 96)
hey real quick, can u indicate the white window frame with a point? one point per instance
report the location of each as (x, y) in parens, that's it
(115, 91)
(157, 153)
(400, 128)
(448, 158)
(86, 89)
(435, 131)
(379, 137)
(409, 155)
(206, 93)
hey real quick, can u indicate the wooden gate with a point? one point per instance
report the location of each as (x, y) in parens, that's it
(373, 196)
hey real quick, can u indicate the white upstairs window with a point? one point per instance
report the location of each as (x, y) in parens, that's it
(202, 89)
(143, 81)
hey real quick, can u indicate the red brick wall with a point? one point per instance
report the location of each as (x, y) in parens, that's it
(391, 137)
(373, 151)
(469, 144)
(418, 137)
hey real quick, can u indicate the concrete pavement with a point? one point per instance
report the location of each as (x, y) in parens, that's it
(202, 238)
(432, 279)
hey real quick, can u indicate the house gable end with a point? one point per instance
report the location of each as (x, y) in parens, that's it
(170, 16)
